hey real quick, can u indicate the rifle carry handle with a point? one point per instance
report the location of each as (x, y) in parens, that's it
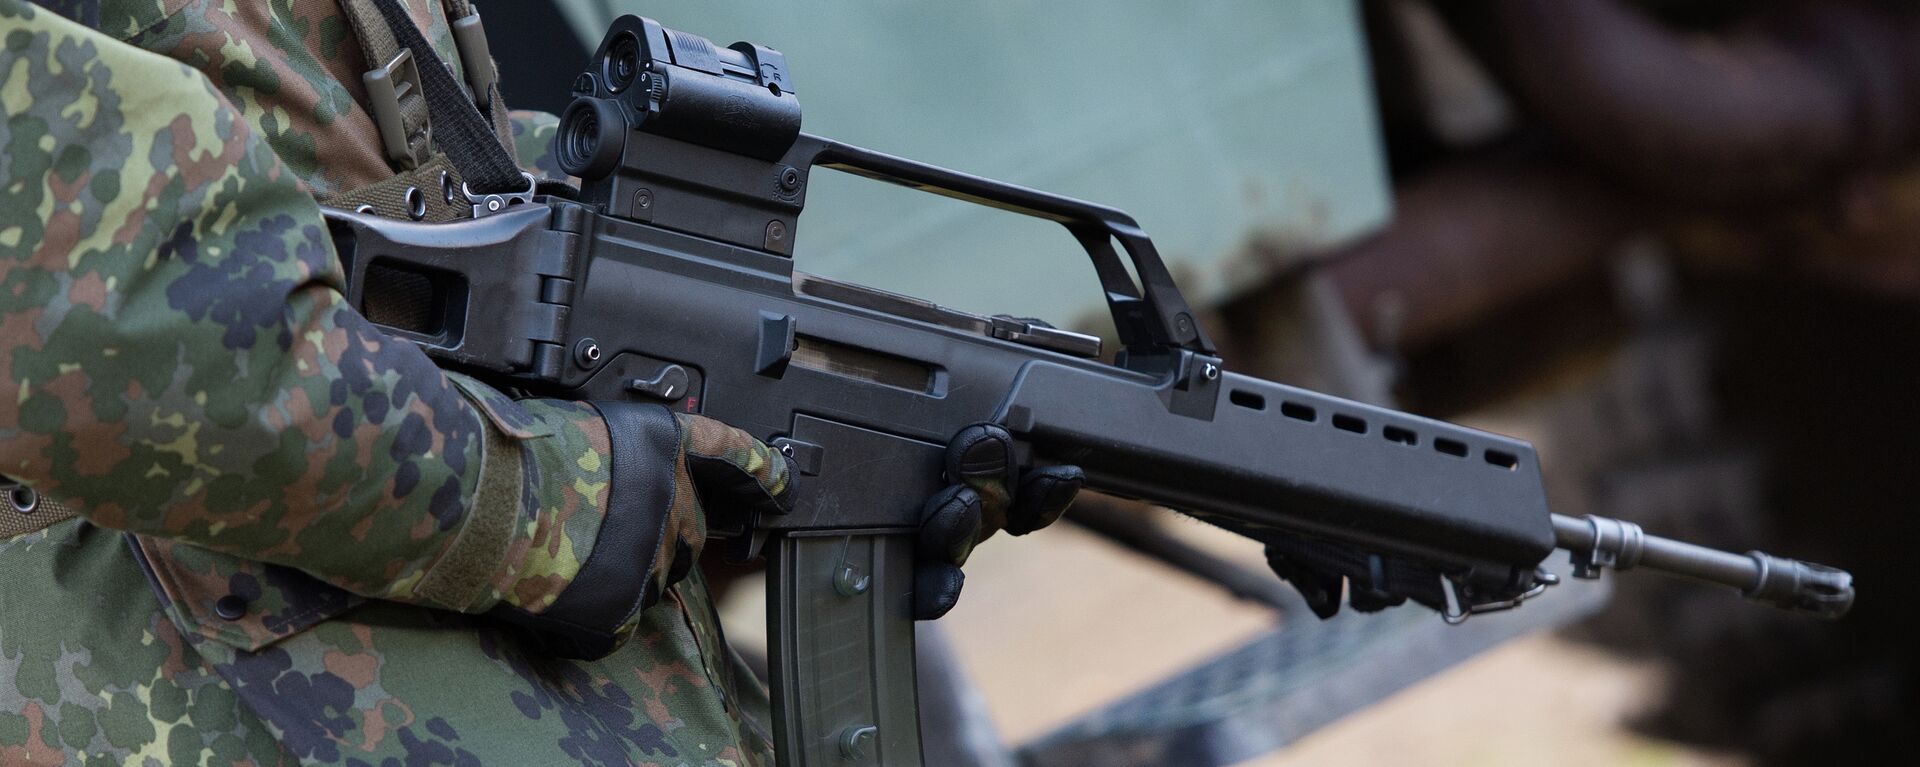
(1152, 317)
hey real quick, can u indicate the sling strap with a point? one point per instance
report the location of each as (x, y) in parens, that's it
(395, 97)
(423, 111)
(429, 193)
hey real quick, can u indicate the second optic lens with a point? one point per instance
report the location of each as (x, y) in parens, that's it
(623, 63)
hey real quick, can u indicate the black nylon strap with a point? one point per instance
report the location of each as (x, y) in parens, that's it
(458, 127)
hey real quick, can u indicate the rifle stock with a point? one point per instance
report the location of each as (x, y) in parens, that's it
(673, 259)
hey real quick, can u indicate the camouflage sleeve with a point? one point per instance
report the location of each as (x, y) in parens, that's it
(180, 361)
(533, 143)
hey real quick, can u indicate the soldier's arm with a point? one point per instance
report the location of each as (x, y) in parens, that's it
(180, 361)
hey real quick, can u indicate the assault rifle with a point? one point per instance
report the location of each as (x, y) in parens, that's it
(668, 276)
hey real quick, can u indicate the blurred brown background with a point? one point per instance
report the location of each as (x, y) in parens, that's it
(1677, 244)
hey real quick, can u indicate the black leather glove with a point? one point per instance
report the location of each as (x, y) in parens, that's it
(668, 470)
(988, 494)
(1322, 572)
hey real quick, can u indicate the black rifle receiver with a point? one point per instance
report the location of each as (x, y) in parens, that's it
(668, 278)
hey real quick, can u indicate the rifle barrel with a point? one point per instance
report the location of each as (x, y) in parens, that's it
(1601, 542)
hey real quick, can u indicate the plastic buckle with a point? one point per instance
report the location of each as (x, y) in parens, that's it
(476, 62)
(389, 89)
(485, 205)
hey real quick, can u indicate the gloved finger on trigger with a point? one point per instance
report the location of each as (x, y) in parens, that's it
(1044, 495)
(936, 589)
(731, 469)
(949, 525)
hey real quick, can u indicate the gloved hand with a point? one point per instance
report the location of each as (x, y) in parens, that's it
(667, 470)
(720, 468)
(988, 494)
(1322, 572)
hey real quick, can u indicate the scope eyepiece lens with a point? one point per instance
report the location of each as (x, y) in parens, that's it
(623, 63)
(591, 137)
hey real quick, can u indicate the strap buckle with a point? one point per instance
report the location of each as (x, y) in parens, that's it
(399, 107)
(485, 205)
(476, 62)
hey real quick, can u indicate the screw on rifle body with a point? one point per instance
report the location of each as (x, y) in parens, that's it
(854, 740)
(1210, 372)
(586, 353)
(643, 199)
(776, 230)
(789, 179)
(786, 450)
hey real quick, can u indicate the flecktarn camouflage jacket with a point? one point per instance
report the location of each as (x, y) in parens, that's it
(282, 521)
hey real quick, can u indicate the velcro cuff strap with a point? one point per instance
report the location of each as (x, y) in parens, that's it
(463, 577)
